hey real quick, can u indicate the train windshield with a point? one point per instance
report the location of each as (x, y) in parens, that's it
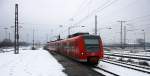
(92, 43)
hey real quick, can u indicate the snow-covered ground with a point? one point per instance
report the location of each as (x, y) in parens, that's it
(29, 63)
(119, 70)
(138, 52)
(132, 51)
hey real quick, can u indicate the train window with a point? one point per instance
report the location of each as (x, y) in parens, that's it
(92, 45)
(92, 41)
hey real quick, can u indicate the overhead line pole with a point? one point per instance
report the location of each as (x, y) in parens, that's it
(9, 36)
(144, 46)
(95, 24)
(6, 32)
(33, 42)
(124, 36)
(16, 46)
(121, 33)
(144, 42)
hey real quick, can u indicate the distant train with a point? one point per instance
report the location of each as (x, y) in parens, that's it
(82, 47)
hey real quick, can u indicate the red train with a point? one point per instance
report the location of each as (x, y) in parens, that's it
(80, 46)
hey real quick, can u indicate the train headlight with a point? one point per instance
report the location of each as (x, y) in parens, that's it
(82, 53)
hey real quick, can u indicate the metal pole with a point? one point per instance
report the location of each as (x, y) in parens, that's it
(5, 32)
(121, 35)
(33, 48)
(144, 41)
(95, 24)
(9, 36)
(124, 36)
(121, 38)
(69, 31)
(17, 31)
(0, 37)
(27, 37)
(16, 47)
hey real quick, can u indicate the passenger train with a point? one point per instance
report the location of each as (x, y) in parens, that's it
(82, 47)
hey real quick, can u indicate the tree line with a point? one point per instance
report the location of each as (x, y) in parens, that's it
(9, 43)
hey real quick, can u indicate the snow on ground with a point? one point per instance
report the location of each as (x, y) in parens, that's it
(137, 51)
(29, 63)
(128, 52)
(120, 70)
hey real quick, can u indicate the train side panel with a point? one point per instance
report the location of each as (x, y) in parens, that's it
(82, 56)
(101, 55)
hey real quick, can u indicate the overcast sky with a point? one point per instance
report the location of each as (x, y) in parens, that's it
(46, 16)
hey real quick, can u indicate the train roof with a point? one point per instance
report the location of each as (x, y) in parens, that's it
(85, 35)
(77, 34)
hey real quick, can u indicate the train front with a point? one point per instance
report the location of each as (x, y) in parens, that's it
(94, 48)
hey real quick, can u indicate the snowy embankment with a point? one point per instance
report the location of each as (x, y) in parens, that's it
(29, 63)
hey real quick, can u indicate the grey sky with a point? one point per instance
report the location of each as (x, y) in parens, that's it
(45, 16)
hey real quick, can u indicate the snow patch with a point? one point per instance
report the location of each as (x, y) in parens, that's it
(30, 63)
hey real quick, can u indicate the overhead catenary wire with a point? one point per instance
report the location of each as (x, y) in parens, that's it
(140, 17)
(101, 6)
(125, 7)
(135, 19)
(87, 4)
(83, 5)
(97, 10)
(131, 3)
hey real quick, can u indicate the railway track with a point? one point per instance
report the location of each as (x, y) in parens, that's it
(128, 54)
(130, 64)
(106, 71)
(139, 58)
(127, 66)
